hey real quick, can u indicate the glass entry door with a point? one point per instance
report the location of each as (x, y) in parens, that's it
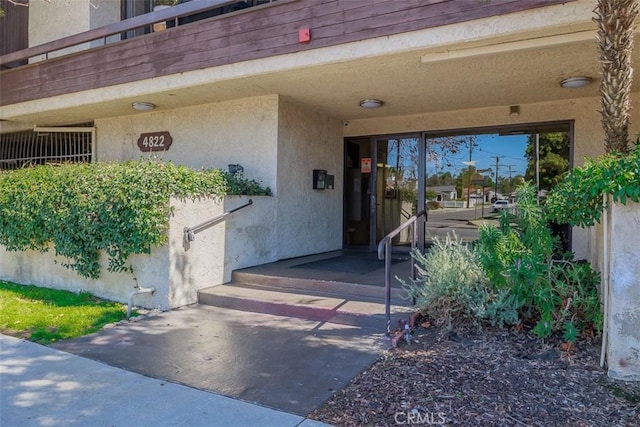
(389, 178)
(399, 184)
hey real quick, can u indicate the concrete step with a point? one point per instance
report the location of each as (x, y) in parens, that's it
(328, 287)
(335, 308)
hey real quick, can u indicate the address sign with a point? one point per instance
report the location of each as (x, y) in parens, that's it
(155, 141)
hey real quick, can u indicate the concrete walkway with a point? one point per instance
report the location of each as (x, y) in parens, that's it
(42, 386)
(177, 367)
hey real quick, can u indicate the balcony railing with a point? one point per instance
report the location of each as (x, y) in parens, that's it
(173, 16)
(265, 30)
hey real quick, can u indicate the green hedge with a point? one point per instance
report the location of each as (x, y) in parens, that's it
(121, 208)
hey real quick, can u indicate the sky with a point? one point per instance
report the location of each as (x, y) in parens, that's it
(510, 149)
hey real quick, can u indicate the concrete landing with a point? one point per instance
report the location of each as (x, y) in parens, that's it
(358, 274)
(277, 280)
(331, 308)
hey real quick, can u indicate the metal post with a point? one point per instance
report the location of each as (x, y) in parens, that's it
(483, 196)
(422, 183)
(387, 284)
(413, 247)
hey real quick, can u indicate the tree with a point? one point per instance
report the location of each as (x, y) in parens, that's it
(614, 19)
(464, 181)
(431, 195)
(440, 179)
(554, 158)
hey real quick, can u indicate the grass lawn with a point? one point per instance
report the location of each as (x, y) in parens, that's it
(46, 315)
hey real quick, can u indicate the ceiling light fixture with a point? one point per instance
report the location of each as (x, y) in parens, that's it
(371, 103)
(143, 106)
(576, 82)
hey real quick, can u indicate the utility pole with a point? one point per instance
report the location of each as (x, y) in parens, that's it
(495, 192)
(484, 183)
(510, 181)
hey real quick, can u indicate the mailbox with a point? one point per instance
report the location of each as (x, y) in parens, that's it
(319, 179)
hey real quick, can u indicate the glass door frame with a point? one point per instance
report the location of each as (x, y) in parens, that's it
(373, 183)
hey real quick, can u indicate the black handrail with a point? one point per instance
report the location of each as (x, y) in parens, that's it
(384, 253)
(190, 232)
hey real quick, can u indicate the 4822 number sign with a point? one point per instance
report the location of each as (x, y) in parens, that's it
(154, 141)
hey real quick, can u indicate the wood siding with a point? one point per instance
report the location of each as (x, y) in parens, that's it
(257, 34)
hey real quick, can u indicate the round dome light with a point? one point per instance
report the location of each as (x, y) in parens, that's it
(371, 103)
(576, 82)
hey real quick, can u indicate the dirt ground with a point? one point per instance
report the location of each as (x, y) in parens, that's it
(497, 378)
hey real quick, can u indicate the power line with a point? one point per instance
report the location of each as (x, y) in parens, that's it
(503, 155)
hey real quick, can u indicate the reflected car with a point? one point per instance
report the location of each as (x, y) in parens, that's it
(501, 205)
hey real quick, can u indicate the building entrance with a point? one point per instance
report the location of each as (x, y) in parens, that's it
(464, 177)
(382, 188)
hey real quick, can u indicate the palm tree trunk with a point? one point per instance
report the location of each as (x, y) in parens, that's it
(615, 43)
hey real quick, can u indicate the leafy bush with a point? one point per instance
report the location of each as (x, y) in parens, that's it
(516, 254)
(577, 200)
(432, 205)
(83, 208)
(511, 275)
(519, 256)
(577, 286)
(453, 290)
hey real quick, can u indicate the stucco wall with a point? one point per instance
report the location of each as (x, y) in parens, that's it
(215, 135)
(52, 20)
(309, 221)
(243, 239)
(31, 267)
(623, 351)
(104, 13)
(176, 270)
(278, 142)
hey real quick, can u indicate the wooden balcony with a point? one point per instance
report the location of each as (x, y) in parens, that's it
(259, 32)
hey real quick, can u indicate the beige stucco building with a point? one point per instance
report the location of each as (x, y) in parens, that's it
(277, 87)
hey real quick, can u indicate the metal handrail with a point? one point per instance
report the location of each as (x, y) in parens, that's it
(384, 253)
(190, 232)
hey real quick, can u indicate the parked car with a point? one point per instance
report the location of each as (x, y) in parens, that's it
(501, 205)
